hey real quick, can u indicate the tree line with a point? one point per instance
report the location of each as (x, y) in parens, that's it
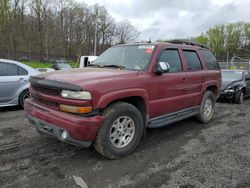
(59, 28)
(226, 40)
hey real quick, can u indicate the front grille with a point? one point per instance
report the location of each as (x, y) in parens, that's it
(44, 102)
(47, 90)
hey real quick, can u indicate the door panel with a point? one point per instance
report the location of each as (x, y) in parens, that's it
(196, 76)
(168, 93)
(248, 87)
(9, 87)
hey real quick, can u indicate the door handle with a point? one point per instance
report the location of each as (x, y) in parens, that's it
(184, 79)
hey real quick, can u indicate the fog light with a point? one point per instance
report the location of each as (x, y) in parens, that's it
(64, 135)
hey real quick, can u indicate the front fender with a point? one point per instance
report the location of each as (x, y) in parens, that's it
(22, 88)
(121, 94)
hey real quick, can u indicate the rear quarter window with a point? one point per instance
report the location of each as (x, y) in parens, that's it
(22, 71)
(210, 60)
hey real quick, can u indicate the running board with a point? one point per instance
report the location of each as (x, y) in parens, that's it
(172, 118)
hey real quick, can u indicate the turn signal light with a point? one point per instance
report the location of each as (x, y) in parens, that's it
(75, 109)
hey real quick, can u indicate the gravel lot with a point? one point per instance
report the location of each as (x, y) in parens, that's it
(185, 154)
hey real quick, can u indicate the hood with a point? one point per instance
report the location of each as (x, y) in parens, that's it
(83, 75)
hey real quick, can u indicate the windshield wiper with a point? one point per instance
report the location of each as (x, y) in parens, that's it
(115, 66)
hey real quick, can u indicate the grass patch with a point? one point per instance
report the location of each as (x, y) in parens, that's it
(38, 64)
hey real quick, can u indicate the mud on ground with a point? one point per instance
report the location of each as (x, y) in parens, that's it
(186, 154)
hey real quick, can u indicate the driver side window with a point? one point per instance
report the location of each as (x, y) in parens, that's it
(171, 56)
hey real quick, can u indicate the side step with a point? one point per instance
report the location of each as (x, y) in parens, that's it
(172, 118)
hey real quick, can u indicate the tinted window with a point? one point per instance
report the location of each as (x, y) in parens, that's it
(172, 57)
(22, 71)
(7, 69)
(193, 61)
(210, 60)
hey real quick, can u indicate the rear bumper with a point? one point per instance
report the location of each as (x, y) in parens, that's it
(81, 130)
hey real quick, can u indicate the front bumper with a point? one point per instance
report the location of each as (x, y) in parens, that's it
(228, 94)
(81, 130)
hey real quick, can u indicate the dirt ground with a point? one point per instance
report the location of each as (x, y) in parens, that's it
(186, 154)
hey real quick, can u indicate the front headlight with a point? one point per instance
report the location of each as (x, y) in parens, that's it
(85, 95)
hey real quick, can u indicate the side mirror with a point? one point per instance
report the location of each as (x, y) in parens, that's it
(162, 67)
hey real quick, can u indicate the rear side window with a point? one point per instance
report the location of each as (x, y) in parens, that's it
(22, 71)
(7, 69)
(193, 60)
(210, 60)
(171, 56)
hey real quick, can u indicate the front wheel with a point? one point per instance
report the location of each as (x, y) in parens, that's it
(206, 109)
(239, 97)
(121, 131)
(24, 95)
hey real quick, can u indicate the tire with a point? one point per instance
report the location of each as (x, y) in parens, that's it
(239, 97)
(124, 122)
(24, 95)
(206, 109)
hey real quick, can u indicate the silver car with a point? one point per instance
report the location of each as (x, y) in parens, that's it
(14, 82)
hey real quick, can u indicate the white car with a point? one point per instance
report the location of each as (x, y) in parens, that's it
(84, 60)
(14, 82)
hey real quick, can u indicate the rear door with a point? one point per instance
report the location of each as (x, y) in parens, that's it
(248, 84)
(197, 76)
(12, 78)
(168, 90)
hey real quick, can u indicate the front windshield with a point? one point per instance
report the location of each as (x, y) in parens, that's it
(133, 57)
(231, 75)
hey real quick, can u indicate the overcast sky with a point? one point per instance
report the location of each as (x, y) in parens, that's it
(168, 19)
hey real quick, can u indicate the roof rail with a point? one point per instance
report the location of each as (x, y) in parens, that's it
(177, 41)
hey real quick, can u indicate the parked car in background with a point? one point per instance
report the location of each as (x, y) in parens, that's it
(43, 70)
(14, 84)
(86, 60)
(127, 89)
(235, 85)
(61, 66)
(61, 60)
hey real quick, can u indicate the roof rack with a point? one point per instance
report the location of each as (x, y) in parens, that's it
(177, 41)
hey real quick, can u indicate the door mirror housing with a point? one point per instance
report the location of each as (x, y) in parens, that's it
(162, 67)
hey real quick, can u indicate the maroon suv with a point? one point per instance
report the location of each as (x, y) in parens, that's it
(127, 89)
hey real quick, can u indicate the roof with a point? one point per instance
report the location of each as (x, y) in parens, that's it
(182, 43)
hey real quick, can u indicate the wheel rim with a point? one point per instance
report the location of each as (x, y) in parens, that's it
(122, 132)
(208, 106)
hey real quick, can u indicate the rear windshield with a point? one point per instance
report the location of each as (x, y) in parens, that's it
(135, 57)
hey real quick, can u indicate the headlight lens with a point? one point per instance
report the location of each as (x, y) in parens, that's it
(85, 95)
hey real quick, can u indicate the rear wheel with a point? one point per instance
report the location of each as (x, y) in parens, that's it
(239, 97)
(24, 95)
(121, 131)
(207, 107)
